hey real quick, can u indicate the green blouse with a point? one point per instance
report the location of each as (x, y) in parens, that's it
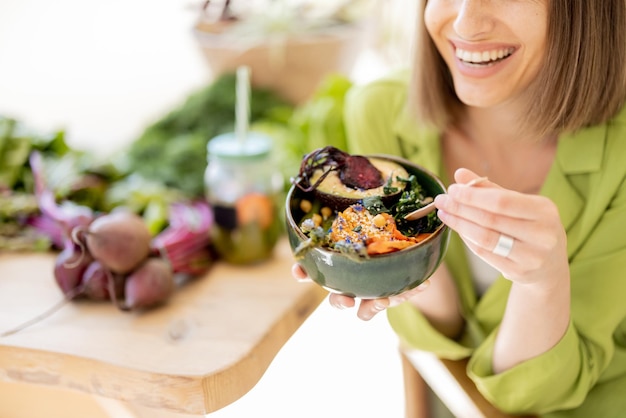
(584, 375)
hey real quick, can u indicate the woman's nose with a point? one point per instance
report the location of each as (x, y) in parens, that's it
(473, 19)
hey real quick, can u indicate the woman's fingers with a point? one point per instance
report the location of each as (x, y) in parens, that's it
(484, 227)
(464, 176)
(341, 301)
(369, 308)
(518, 234)
(299, 274)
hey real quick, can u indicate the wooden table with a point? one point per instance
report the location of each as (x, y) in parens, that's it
(202, 351)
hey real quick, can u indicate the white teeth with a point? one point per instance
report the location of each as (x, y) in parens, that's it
(483, 57)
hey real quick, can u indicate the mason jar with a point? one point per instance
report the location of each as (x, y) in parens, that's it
(244, 188)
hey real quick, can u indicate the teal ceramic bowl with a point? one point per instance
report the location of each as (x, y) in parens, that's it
(377, 276)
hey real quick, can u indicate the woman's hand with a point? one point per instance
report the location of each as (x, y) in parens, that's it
(521, 235)
(368, 308)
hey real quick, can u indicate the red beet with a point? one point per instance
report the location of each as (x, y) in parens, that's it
(359, 173)
(95, 281)
(69, 267)
(152, 283)
(119, 240)
(355, 171)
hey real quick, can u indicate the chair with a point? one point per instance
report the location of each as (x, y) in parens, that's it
(449, 381)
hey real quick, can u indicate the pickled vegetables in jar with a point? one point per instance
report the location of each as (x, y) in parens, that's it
(245, 189)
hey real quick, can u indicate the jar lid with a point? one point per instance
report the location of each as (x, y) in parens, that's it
(227, 146)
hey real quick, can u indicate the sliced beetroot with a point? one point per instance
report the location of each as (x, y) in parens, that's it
(355, 171)
(359, 173)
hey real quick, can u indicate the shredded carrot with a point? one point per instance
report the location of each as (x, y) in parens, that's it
(356, 224)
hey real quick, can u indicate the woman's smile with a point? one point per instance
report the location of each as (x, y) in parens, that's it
(484, 58)
(472, 63)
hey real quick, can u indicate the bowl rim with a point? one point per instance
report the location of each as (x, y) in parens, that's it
(403, 161)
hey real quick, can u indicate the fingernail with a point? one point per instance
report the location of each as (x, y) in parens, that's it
(441, 199)
(379, 306)
(476, 181)
(337, 305)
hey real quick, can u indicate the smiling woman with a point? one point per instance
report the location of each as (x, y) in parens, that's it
(531, 95)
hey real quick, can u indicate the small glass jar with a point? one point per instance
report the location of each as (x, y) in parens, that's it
(245, 189)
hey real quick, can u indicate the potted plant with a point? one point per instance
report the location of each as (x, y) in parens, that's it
(289, 45)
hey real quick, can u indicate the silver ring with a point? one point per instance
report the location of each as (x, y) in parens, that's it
(504, 246)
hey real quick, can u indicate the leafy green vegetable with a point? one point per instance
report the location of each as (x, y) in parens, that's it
(17, 205)
(17, 201)
(321, 118)
(147, 197)
(412, 198)
(374, 205)
(16, 144)
(166, 163)
(172, 150)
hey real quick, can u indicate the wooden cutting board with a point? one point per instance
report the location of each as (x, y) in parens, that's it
(207, 347)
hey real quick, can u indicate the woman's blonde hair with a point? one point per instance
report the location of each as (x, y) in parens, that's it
(583, 81)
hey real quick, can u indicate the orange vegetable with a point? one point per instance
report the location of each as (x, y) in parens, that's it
(379, 232)
(255, 208)
(383, 247)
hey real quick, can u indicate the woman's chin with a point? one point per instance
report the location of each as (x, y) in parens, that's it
(483, 98)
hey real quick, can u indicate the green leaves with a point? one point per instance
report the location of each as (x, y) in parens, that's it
(16, 144)
(172, 150)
